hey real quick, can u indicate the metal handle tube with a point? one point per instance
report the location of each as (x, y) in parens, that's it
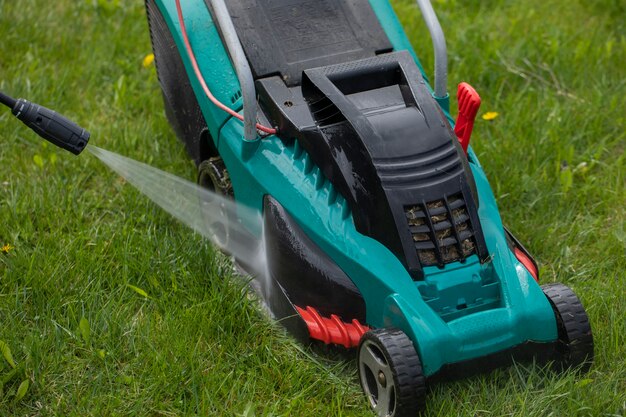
(242, 67)
(439, 44)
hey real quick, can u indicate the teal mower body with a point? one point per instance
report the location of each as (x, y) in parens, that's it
(383, 232)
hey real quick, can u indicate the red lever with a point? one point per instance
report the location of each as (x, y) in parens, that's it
(469, 102)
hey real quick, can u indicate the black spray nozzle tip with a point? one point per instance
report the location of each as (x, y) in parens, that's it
(52, 126)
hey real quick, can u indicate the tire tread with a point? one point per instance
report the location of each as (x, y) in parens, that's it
(406, 367)
(575, 347)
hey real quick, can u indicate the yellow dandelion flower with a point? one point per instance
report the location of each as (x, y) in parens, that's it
(6, 248)
(148, 60)
(490, 115)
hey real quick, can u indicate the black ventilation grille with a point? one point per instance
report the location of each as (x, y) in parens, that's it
(442, 231)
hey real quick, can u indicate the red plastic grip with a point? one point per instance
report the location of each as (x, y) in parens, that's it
(332, 330)
(469, 102)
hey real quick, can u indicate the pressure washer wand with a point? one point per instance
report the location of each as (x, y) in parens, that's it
(48, 124)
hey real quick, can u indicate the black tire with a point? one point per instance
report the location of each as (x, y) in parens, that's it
(575, 346)
(213, 175)
(391, 373)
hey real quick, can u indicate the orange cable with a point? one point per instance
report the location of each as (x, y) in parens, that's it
(196, 69)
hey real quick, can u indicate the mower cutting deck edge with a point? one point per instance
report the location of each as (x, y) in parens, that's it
(382, 231)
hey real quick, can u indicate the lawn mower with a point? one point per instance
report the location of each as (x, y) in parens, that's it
(382, 232)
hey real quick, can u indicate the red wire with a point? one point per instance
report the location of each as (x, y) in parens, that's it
(196, 69)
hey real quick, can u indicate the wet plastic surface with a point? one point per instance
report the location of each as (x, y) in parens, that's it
(307, 275)
(377, 134)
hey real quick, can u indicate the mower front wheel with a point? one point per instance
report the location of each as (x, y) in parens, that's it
(575, 344)
(391, 374)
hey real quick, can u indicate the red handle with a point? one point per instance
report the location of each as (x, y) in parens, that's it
(469, 102)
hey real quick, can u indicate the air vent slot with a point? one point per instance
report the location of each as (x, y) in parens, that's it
(325, 112)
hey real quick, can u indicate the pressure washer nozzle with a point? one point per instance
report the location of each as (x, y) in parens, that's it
(52, 126)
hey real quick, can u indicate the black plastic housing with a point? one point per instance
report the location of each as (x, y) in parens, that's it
(286, 37)
(377, 134)
(303, 272)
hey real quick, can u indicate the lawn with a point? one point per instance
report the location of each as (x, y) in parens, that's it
(108, 306)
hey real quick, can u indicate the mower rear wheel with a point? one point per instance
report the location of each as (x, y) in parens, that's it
(391, 374)
(575, 346)
(213, 176)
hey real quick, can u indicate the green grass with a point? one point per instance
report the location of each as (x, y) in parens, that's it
(554, 71)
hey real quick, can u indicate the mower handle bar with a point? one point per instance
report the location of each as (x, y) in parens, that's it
(439, 45)
(246, 81)
(242, 68)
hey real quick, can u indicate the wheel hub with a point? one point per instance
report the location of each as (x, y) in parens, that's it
(382, 380)
(376, 380)
(390, 373)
